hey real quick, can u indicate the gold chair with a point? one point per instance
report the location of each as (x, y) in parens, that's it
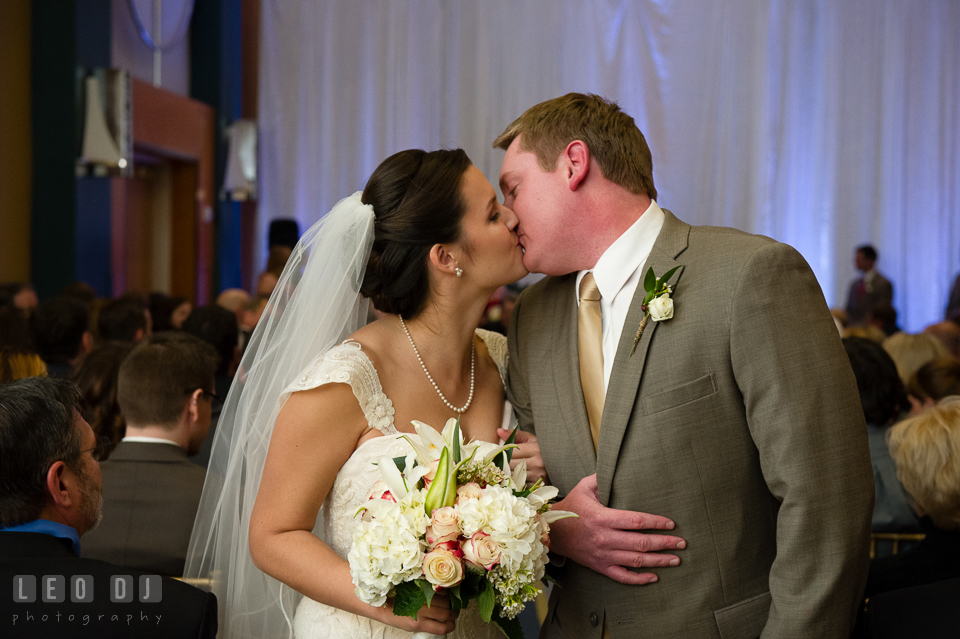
(896, 538)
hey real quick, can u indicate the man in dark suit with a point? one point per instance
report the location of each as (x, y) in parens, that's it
(151, 489)
(871, 290)
(59, 327)
(50, 498)
(718, 399)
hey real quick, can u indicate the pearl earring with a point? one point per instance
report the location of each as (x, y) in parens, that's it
(459, 272)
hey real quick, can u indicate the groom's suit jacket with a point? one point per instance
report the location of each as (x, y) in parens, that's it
(739, 419)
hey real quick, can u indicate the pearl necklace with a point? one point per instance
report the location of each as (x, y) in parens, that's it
(473, 354)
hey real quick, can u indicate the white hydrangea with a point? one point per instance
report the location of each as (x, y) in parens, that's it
(388, 546)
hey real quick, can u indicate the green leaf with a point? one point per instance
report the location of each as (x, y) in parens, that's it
(456, 441)
(666, 276)
(427, 588)
(472, 585)
(649, 281)
(511, 628)
(401, 463)
(408, 599)
(485, 602)
(510, 440)
(457, 601)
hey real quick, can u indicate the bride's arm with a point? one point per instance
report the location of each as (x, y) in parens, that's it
(316, 432)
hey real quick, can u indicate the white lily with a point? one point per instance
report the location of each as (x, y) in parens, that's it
(553, 515)
(519, 477)
(393, 478)
(542, 495)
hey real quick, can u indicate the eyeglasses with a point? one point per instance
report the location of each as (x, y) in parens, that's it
(102, 450)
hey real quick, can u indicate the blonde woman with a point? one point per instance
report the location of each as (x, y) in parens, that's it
(17, 364)
(926, 449)
(910, 352)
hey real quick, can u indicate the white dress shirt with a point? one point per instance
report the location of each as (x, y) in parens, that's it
(617, 274)
(151, 440)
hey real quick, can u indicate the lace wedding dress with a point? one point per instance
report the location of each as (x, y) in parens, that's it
(347, 364)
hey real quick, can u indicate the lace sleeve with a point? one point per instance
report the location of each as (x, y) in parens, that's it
(497, 347)
(348, 364)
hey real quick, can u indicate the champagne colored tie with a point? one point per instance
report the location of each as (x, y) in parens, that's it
(590, 349)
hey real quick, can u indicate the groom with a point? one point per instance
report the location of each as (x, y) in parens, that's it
(736, 418)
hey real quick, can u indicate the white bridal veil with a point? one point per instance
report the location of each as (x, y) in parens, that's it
(316, 305)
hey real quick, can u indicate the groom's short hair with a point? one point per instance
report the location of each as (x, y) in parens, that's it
(612, 136)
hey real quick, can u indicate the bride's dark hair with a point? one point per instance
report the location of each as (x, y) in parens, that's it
(417, 201)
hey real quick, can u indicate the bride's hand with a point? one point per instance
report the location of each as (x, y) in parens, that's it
(528, 450)
(437, 618)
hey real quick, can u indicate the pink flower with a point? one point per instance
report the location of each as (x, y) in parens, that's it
(481, 552)
(380, 491)
(443, 526)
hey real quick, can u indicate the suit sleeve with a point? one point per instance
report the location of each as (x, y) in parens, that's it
(803, 411)
(517, 390)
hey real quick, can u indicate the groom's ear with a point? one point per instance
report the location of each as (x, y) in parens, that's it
(575, 161)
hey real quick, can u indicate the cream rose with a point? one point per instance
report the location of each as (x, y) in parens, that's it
(481, 551)
(443, 526)
(661, 308)
(471, 490)
(442, 568)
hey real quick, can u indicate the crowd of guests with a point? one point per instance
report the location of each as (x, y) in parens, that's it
(910, 392)
(150, 373)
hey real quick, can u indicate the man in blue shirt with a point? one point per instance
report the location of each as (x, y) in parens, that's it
(50, 496)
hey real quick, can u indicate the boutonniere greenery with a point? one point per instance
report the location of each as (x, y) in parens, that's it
(657, 304)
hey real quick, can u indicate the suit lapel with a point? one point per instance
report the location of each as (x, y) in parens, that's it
(627, 370)
(566, 371)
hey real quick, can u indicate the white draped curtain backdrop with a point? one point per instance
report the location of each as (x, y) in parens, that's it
(822, 124)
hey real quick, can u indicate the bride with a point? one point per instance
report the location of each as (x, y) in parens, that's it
(310, 414)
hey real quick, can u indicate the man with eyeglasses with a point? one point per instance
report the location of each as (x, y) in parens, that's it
(50, 497)
(151, 490)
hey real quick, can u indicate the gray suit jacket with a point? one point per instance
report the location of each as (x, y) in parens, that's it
(878, 293)
(150, 497)
(739, 419)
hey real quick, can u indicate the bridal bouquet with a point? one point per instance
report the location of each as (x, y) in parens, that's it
(451, 517)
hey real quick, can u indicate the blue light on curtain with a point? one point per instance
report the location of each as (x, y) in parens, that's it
(821, 124)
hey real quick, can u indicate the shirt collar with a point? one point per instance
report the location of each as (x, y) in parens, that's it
(47, 527)
(149, 440)
(627, 253)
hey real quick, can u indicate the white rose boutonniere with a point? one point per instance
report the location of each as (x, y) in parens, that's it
(657, 303)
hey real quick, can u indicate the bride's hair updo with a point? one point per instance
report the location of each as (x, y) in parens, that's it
(417, 201)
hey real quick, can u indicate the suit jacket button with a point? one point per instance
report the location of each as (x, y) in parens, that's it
(594, 619)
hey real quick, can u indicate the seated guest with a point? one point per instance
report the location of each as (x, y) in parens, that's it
(926, 449)
(949, 334)
(871, 333)
(217, 327)
(910, 352)
(51, 498)
(122, 320)
(14, 329)
(883, 399)
(883, 317)
(151, 490)
(932, 382)
(96, 375)
(17, 364)
(19, 295)
(168, 312)
(59, 329)
(233, 299)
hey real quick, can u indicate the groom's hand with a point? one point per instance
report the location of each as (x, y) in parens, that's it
(528, 450)
(606, 540)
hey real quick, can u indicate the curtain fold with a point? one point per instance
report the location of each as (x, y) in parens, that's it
(820, 124)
